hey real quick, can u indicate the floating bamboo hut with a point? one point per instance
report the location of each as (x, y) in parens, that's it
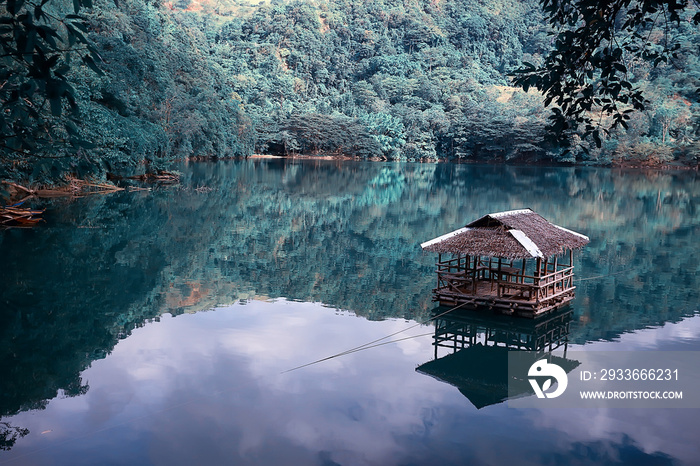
(515, 262)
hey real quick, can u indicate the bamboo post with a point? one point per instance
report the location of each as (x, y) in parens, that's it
(498, 277)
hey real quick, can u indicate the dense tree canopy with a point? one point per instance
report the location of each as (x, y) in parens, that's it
(144, 91)
(416, 75)
(441, 73)
(591, 72)
(125, 87)
(37, 100)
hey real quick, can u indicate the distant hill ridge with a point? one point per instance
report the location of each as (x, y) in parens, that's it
(397, 80)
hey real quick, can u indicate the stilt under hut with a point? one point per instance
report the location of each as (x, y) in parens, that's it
(471, 351)
(515, 262)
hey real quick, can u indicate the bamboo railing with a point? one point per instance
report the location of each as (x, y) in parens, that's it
(461, 275)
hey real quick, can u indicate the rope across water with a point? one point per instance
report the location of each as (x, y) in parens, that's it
(375, 343)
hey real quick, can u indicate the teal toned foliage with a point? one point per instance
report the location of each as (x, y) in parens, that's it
(606, 63)
(154, 81)
(441, 69)
(38, 105)
(315, 133)
(410, 73)
(388, 131)
(153, 96)
(162, 88)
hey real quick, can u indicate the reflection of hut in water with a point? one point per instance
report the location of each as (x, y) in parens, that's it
(477, 347)
(515, 262)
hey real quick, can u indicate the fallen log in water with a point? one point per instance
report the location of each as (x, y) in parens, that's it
(160, 177)
(19, 216)
(80, 187)
(74, 188)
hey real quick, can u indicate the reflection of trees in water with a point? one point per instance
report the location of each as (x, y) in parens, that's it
(345, 234)
(10, 434)
(641, 226)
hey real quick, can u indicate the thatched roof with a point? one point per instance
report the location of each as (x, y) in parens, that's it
(515, 234)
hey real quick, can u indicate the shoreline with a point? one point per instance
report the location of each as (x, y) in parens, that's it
(63, 189)
(624, 164)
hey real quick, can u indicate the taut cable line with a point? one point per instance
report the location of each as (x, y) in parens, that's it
(598, 276)
(373, 343)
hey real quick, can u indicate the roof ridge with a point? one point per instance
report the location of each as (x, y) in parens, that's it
(573, 232)
(507, 213)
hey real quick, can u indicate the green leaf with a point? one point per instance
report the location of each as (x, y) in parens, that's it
(90, 62)
(71, 128)
(82, 143)
(48, 35)
(81, 25)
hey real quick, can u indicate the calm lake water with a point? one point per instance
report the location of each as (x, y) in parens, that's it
(160, 327)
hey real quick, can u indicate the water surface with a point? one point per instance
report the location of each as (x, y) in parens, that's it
(156, 327)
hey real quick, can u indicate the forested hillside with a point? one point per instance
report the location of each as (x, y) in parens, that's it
(158, 96)
(424, 79)
(429, 80)
(389, 79)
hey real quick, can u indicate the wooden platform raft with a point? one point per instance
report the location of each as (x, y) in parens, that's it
(515, 262)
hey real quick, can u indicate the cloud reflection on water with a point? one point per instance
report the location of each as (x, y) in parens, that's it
(210, 388)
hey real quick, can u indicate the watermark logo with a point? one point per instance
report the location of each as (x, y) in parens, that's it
(604, 379)
(541, 369)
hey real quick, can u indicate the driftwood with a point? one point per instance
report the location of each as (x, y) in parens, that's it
(15, 215)
(160, 177)
(80, 187)
(75, 188)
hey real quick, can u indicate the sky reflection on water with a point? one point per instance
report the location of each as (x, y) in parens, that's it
(79, 296)
(211, 388)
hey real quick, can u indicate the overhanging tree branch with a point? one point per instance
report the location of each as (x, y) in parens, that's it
(586, 72)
